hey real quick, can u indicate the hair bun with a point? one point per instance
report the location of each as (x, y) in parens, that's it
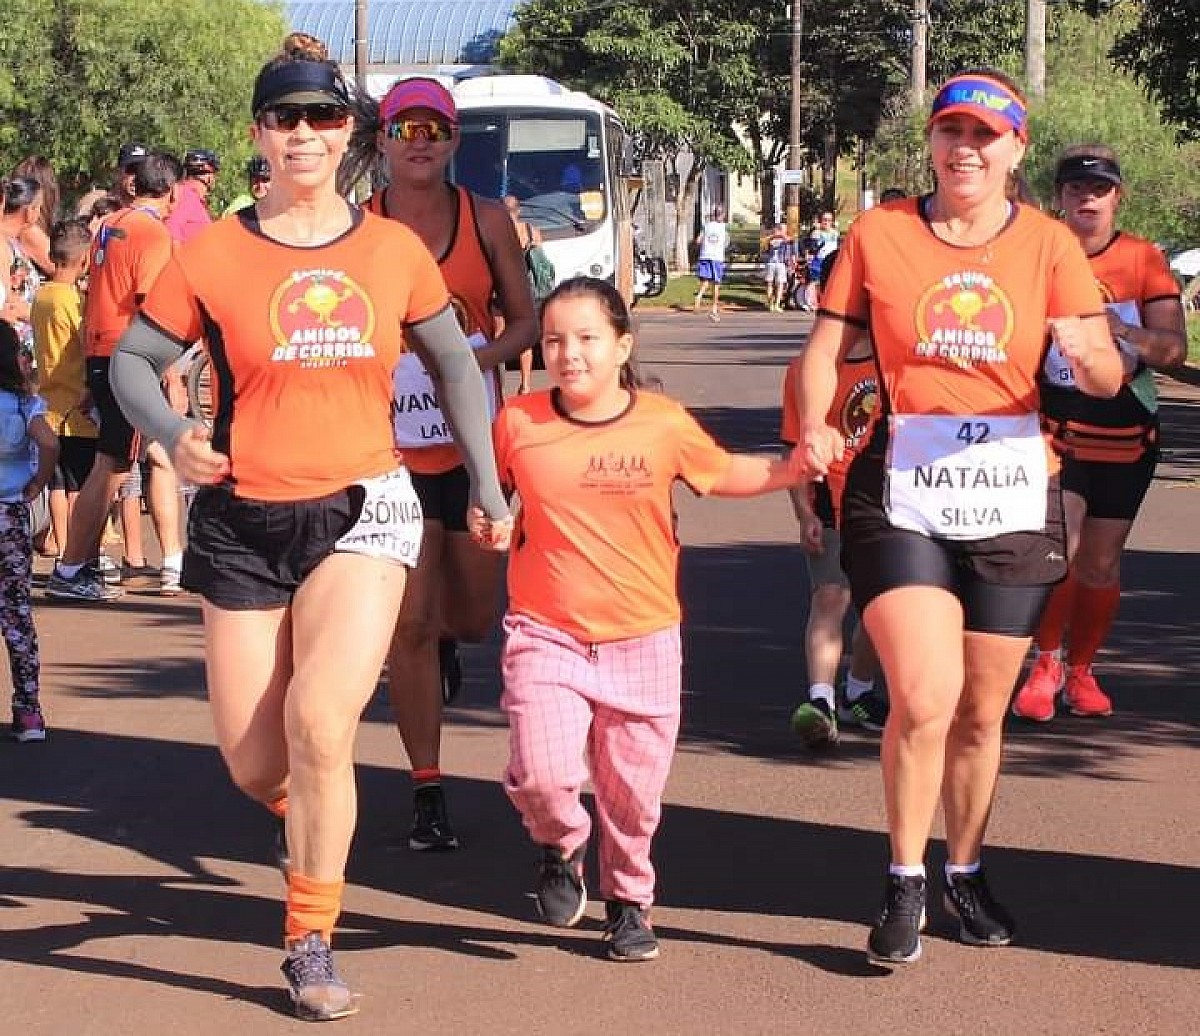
(300, 46)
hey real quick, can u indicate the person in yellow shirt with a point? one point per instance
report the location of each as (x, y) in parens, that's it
(57, 321)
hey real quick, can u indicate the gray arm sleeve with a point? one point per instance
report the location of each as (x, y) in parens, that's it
(444, 350)
(142, 357)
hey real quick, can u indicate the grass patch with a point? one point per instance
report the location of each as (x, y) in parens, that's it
(743, 289)
(1193, 329)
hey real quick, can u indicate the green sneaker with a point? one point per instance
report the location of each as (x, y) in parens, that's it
(816, 724)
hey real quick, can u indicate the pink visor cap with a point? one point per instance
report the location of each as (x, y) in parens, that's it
(407, 94)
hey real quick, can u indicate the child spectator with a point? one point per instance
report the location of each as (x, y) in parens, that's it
(56, 316)
(23, 430)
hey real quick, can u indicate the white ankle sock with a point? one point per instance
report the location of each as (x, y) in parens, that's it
(899, 870)
(823, 691)
(962, 868)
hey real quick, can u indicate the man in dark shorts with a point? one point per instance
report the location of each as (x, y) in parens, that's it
(127, 255)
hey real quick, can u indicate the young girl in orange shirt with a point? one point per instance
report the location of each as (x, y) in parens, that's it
(592, 665)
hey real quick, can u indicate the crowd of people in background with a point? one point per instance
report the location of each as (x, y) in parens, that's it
(321, 561)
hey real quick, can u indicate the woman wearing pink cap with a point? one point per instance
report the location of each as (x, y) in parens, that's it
(453, 594)
(952, 533)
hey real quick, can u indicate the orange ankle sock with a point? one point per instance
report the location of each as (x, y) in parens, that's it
(1049, 636)
(278, 806)
(1091, 619)
(429, 775)
(312, 906)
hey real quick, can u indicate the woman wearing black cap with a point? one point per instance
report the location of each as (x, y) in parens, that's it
(952, 534)
(1109, 446)
(302, 533)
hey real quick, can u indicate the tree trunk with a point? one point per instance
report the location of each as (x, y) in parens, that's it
(685, 213)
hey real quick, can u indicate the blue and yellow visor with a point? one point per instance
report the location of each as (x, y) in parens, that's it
(984, 98)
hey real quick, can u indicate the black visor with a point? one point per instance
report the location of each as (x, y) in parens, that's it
(299, 82)
(1087, 167)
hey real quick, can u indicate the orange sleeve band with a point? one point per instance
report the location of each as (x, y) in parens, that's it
(312, 906)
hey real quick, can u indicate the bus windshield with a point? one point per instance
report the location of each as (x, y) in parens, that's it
(551, 161)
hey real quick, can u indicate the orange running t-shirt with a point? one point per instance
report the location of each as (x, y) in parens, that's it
(959, 330)
(128, 253)
(303, 342)
(468, 277)
(594, 551)
(1130, 272)
(853, 412)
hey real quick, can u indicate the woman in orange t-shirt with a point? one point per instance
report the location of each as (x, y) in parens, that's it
(1109, 447)
(952, 532)
(453, 592)
(305, 524)
(592, 668)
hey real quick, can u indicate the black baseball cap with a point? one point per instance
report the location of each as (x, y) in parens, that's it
(131, 154)
(201, 160)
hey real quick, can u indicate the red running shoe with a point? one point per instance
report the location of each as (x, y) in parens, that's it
(1082, 695)
(1035, 699)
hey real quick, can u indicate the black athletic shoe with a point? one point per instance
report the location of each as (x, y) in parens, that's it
(560, 893)
(896, 936)
(628, 933)
(431, 830)
(982, 921)
(318, 994)
(870, 712)
(450, 668)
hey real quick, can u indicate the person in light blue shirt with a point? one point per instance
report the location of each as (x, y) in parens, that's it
(28, 453)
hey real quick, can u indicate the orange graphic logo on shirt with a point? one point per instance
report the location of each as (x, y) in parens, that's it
(965, 319)
(857, 410)
(617, 474)
(321, 318)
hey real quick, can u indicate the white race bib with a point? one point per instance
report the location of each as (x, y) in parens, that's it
(390, 523)
(1058, 370)
(417, 418)
(966, 477)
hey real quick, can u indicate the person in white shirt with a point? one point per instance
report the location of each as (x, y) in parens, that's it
(713, 240)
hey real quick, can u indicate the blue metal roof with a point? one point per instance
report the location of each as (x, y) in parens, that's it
(409, 32)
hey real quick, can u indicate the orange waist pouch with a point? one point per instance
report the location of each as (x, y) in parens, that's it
(1091, 442)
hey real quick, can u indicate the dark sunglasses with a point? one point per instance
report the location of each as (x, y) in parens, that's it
(408, 130)
(318, 116)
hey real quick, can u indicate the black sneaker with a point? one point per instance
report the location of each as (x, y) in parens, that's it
(450, 668)
(870, 712)
(431, 830)
(982, 921)
(896, 936)
(560, 893)
(318, 994)
(628, 933)
(816, 724)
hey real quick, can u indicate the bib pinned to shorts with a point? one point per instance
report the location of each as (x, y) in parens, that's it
(390, 523)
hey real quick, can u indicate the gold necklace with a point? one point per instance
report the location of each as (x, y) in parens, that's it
(960, 240)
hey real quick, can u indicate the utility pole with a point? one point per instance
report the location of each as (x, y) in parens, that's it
(1035, 47)
(795, 162)
(360, 44)
(920, 48)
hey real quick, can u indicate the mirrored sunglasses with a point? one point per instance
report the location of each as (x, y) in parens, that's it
(318, 116)
(408, 130)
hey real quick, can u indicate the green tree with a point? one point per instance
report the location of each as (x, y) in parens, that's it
(1159, 47)
(80, 77)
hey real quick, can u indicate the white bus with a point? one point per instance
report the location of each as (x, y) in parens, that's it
(563, 155)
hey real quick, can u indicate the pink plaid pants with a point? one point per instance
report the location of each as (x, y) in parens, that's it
(611, 710)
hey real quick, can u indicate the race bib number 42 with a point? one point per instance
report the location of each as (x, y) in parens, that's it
(966, 477)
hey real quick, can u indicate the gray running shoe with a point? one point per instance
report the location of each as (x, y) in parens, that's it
(86, 585)
(627, 932)
(560, 893)
(318, 994)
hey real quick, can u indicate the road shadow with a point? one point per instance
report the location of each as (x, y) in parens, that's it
(109, 789)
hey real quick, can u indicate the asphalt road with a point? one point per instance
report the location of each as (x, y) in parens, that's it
(137, 892)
